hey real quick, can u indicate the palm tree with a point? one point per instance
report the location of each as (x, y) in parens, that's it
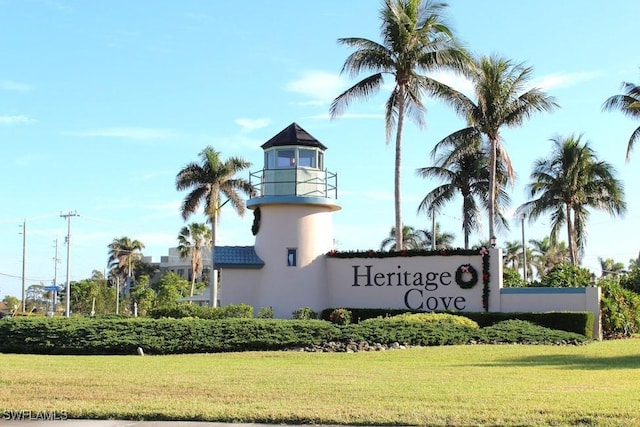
(466, 174)
(629, 104)
(546, 254)
(124, 254)
(567, 183)
(208, 181)
(504, 99)
(610, 267)
(415, 38)
(513, 254)
(417, 239)
(191, 240)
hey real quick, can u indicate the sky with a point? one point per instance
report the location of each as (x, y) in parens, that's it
(102, 104)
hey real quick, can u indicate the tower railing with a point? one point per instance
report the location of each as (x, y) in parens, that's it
(298, 181)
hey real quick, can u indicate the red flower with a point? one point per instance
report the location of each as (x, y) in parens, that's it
(404, 252)
(485, 276)
(443, 253)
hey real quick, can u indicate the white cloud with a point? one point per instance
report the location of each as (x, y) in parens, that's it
(320, 86)
(563, 80)
(248, 125)
(12, 120)
(14, 86)
(125, 132)
(454, 80)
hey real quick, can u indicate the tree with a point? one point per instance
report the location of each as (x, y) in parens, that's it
(169, 288)
(124, 254)
(546, 254)
(611, 268)
(503, 99)
(12, 302)
(466, 174)
(415, 39)
(513, 254)
(191, 240)
(569, 182)
(629, 104)
(417, 239)
(208, 181)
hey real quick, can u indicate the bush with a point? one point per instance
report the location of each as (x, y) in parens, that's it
(620, 309)
(304, 314)
(523, 332)
(441, 318)
(82, 335)
(182, 310)
(391, 330)
(340, 316)
(631, 280)
(566, 276)
(265, 313)
(511, 278)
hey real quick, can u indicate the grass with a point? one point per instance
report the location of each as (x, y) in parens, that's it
(507, 385)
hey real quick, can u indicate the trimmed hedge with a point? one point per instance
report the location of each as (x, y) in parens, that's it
(82, 335)
(158, 336)
(576, 322)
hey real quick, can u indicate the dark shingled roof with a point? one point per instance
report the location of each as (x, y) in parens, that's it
(293, 135)
(237, 257)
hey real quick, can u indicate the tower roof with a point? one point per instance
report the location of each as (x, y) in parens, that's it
(293, 135)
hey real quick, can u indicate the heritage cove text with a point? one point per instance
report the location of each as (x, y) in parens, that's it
(415, 298)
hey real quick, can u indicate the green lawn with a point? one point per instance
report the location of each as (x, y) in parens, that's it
(594, 384)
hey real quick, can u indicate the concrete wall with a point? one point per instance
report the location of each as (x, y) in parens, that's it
(415, 283)
(553, 299)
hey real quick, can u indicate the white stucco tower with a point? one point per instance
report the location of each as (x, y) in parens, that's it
(293, 226)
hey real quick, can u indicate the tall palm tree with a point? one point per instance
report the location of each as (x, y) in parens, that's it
(417, 239)
(566, 184)
(208, 181)
(503, 99)
(466, 174)
(415, 39)
(191, 240)
(629, 104)
(124, 254)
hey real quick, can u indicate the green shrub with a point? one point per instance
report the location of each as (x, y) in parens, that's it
(511, 278)
(340, 316)
(390, 330)
(304, 313)
(182, 310)
(620, 308)
(523, 332)
(82, 335)
(441, 318)
(566, 275)
(579, 322)
(265, 313)
(631, 280)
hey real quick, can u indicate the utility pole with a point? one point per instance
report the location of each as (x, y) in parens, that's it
(67, 216)
(24, 264)
(56, 260)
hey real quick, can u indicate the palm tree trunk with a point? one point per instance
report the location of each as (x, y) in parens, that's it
(570, 233)
(492, 186)
(213, 277)
(398, 159)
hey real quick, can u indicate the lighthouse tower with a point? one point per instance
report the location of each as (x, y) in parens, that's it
(293, 227)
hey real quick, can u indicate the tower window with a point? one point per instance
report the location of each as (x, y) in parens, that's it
(307, 158)
(292, 257)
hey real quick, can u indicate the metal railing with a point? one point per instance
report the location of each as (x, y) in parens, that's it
(298, 181)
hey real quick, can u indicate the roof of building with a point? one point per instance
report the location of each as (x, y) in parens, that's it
(293, 135)
(237, 257)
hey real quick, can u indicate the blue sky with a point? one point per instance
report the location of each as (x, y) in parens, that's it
(102, 103)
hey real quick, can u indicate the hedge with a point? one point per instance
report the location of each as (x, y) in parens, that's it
(576, 322)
